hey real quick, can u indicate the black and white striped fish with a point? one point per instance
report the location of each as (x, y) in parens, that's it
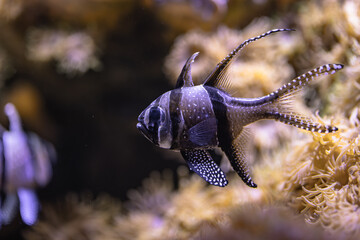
(25, 164)
(195, 119)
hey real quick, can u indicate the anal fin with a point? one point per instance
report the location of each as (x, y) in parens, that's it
(29, 205)
(236, 153)
(200, 161)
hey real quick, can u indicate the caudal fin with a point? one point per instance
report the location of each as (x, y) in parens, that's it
(280, 101)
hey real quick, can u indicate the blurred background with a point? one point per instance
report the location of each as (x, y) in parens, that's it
(81, 71)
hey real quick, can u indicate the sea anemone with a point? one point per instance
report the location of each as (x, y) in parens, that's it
(184, 211)
(323, 178)
(10, 9)
(252, 221)
(184, 15)
(74, 52)
(184, 47)
(77, 217)
(331, 33)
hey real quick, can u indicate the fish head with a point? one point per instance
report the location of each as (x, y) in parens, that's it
(154, 122)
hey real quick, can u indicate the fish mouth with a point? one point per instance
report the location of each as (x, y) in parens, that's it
(144, 131)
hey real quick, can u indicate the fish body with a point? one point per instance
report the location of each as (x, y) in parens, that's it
(196, 119)
(26, 163)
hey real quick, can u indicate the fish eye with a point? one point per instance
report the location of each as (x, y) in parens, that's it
(156, 117)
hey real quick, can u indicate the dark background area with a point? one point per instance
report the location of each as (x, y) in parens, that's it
(95, 115)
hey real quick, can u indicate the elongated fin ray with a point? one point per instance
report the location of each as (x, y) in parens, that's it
(303, 80)
(284, 95)
(185, 79)
(219, 76)
(299, 121)
(200, 161)
(236, 153)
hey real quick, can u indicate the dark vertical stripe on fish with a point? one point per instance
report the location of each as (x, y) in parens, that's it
(225, 136)
(175, 115)
(31, 150)
(220, 110)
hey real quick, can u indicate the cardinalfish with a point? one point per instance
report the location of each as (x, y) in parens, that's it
(196, 119)
(25, 163)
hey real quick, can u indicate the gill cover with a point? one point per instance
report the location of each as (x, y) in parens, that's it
(151, 121)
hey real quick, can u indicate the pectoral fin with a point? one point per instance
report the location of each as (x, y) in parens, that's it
(236, 153)
(200, 161)
(29, 205)
(42, 158)
(203, 133)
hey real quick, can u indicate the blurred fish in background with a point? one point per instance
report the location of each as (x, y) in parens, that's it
(26, 163)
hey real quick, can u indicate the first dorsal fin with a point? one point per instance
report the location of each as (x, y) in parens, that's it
(219, 76)
(185, 79)
(14, 118)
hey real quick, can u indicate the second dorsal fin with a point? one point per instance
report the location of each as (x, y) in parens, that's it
(185, 79)
(219, 76)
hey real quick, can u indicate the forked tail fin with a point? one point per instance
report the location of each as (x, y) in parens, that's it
(280, 101)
